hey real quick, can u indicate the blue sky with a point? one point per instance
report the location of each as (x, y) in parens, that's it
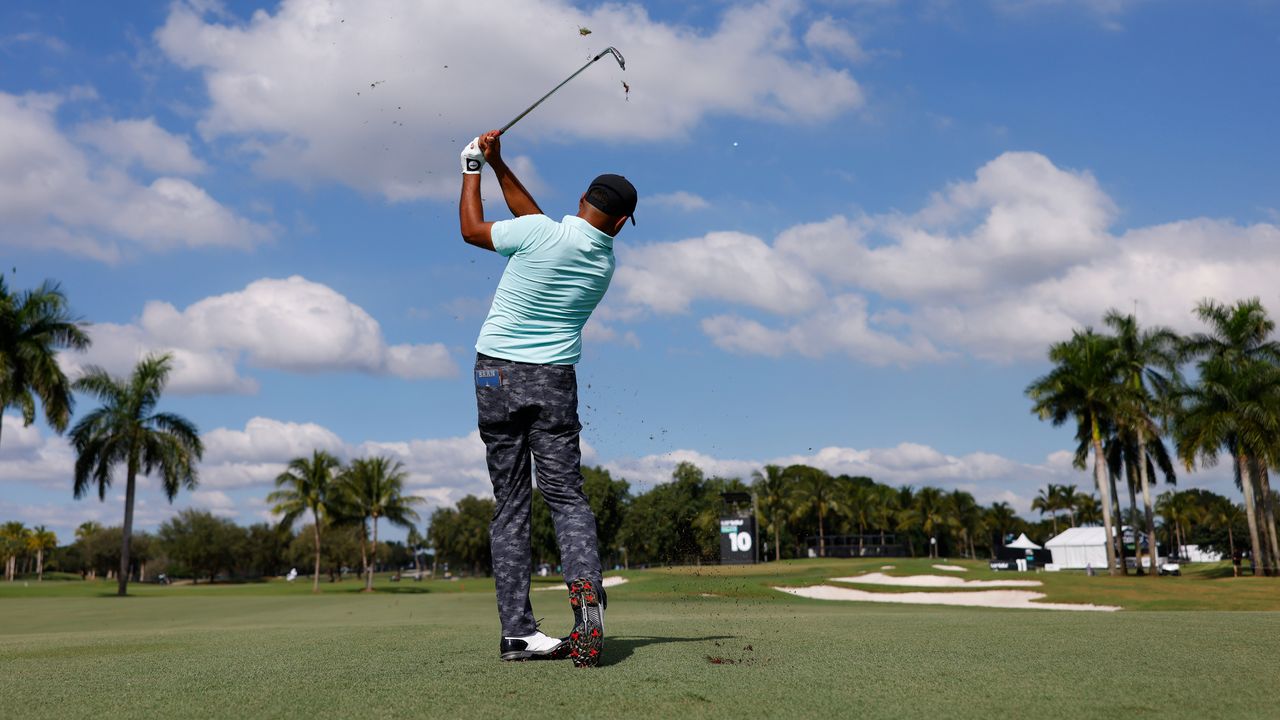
(861, 221)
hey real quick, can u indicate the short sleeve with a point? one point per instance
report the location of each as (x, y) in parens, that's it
(516, 234)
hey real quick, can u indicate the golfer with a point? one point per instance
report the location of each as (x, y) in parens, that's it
(527, 389)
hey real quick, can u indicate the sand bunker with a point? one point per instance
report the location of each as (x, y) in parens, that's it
(608, 582)
(876, 578)
(951, 568)
(1019, 599)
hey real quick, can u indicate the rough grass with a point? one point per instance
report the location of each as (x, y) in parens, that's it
(429, 649)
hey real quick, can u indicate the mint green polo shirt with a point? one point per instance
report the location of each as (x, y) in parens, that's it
(556, 275)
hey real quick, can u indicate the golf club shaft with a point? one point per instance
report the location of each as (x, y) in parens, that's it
(528, 110)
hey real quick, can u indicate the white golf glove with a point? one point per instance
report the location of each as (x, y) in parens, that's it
(472, 158)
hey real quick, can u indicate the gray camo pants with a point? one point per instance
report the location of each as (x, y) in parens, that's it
(531, 411)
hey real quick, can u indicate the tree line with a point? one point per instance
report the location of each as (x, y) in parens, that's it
(1213, 394)
(1125, 391)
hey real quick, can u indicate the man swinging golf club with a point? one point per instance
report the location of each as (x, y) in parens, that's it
(527, 389)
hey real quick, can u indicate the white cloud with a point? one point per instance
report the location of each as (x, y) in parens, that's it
(601, 331)
(268, 440)
(680, 199)
(54, 195)
(997, 267)
(842, 325)
(1107, 11)
(828, 34)
(380, 96)
(288, 324)
(142, 142)
(730, 266)
(27, 455)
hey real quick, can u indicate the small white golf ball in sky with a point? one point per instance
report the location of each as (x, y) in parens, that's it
(735, 144)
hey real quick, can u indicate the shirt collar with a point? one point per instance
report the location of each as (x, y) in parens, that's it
(591, 230)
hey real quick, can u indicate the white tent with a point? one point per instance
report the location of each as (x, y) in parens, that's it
(1023, 543)
(1079, 547)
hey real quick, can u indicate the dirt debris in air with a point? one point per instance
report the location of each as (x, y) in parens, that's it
(744, 660)
(583, 30)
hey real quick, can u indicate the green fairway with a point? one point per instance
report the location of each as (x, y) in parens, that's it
(429, 649)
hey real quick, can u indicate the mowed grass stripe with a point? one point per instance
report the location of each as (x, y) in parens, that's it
(267, 651)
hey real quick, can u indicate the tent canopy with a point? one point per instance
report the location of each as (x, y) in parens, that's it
(1079, 547)
(1023, 543)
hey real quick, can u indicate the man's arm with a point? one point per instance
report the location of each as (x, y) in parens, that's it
(519, 201)
(471, 213)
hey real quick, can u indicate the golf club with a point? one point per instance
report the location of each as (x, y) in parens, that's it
(607, 51)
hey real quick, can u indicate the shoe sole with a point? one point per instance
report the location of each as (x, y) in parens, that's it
(586, 644)
(559, 652)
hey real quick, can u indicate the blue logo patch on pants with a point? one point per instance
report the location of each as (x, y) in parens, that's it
(488, 377)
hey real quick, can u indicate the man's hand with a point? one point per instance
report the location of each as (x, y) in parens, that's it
(491, 146)
(472, 158)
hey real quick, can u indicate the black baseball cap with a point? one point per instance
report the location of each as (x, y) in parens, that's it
(619, 196)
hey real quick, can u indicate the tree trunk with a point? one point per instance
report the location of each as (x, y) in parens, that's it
(1250, 510)
(1269, 518)
(1231, 542)
(122, 580)
(777, 544)
(1148, 512)
(373, 556)
(1118, 518)
(364, 554)
(1104, 489)
(822, 546)
(39, 564)
(1133, 523)
(315, 578)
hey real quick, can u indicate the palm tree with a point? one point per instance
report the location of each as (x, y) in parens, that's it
(927, 513)
(306, 485)
(813, 490)
(13, 541)
(904, 498)
(1001, 518)
(965, 515)
(34, 325)
(773, 494)
(860, 502)
(1148, 362)
(1083, 386)
(1066, 496)
(373, 488)
(128, 431)
(40, 540)
(884, 509)
(1088, 509)
(414, 541)
(1140, 463)
(1225, 515)
(1048, 501)
(1236, 406)
(1178, 510)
